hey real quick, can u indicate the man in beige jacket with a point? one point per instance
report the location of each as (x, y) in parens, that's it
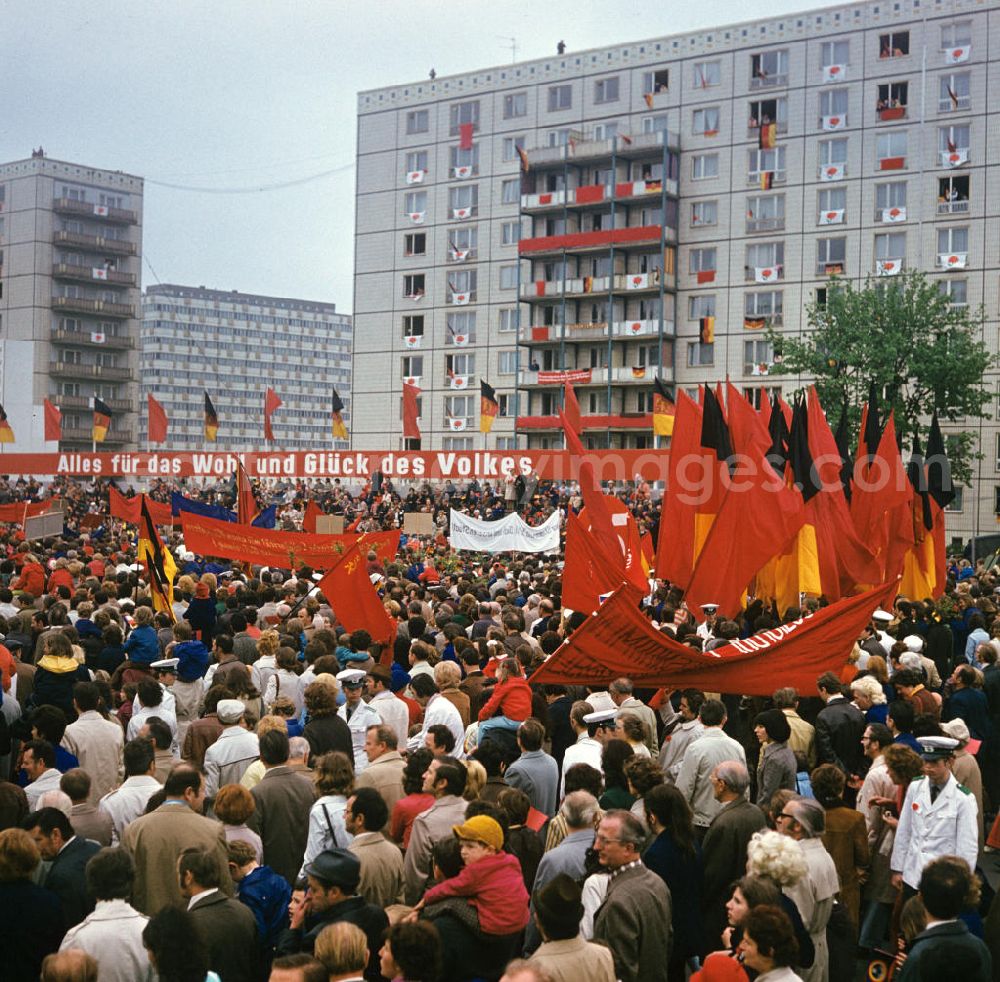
(95, 741)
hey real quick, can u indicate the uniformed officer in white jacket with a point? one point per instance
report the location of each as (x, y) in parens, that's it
(939, 817)
(357, 713)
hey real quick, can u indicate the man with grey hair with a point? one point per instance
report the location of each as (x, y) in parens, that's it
(725, 844)
(621, 695)
(635, 919)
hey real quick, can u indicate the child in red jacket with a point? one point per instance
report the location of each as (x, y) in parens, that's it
(510, 704)
(491, 880)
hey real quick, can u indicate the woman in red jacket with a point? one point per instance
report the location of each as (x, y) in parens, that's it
(510, 704)
(32, 578)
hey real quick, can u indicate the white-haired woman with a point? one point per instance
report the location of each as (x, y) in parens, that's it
(869, 697)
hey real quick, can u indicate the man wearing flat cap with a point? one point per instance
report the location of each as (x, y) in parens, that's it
(333, 878)
(234, 751)
(938, 817)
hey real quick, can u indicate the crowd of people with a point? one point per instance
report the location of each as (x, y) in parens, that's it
(240, 789)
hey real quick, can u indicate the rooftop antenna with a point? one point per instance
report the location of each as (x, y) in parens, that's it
(513, 46)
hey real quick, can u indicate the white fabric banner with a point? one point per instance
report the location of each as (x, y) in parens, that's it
(509, 534)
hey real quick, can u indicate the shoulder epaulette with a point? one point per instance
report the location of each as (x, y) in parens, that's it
(963, 788)
(921, 777)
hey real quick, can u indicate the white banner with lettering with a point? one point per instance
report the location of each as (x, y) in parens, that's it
(509, 534)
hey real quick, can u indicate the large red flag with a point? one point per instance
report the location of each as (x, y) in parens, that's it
(53, 422)
(157, 417)
(351, 593)
(272, 402)
(587, 573)
(247, 508)
(411, 428)
(130, 509)
(572, 408)
(620, 640)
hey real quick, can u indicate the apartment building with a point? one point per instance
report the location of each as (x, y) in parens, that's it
(502, 215)
(233, 346)
(70, 270)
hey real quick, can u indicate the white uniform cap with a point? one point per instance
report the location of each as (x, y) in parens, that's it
(351, 676)
(165, 664)
(937, 748)
(914, 642)
(881, 615)
(601, 718)
(709, 606)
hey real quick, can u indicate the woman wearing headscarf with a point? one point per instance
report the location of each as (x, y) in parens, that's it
(776, 765)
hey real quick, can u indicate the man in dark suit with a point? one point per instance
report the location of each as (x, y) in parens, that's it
(724, 847)
(227, 927)
(283, 799)
(839, 727)
(68, 853)
(946, 947)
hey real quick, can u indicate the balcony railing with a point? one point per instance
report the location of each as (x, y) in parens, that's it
(92, 274)
(66, 369)
(96, 339)
(957, 207)
(86, 306)
(961, 103)
(87, 402)
(774, 224)
(70, 206)
(769, 81)
(95, 243)
(86, 435)
(754, 177)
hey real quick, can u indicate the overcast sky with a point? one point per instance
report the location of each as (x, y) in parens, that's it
(235, 94)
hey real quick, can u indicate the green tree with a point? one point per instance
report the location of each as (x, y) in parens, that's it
(903, 335)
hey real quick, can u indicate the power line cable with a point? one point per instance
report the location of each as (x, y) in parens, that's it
(253, 189)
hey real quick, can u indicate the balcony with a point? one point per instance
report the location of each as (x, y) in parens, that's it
(775, 224)
(620, 374)
(91, 339)
(960, 206)
(583, 285)
(615, 421)
(542, 200)
(625, 146)
(86, 435)
(92, 274)
(83, 305)
(639, 235)
(95, 243)
(87, 402)
(595, 331)
(87, 209)
(66, 369)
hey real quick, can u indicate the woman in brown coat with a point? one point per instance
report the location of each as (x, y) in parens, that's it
(845, 838)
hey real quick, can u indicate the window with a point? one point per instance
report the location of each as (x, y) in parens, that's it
(559, 138)
(951, 241)
(957, 291)
(415, 244)
(507, 362)
(510, 233)
(463, 114)
(511, 144)
(956, 35)
(889, 196)
(462, 327)
(505, 404)
(413, 365)
(656, 81)
(768, 68)
(507, 442)
(832, 203)
(458, 407)
(704, 213)
(890, 149)
(764, 260)
(463, 200)
(894, 45)
(764, 111)
(702, 260)
(758, 356)
(460, 364)
(833, 152)
(415, 202)
(457, 443)
(463, 243)
(515, 105)
(413, 326)
(413, 285)
(892, 100)
(766, 213)
(606, 89)
(953, 195)
(953, 139)
(510, 191)
(706, 74)
(508, 320)
(508, 277)
(417, 121)
(656, 124)
(831, 256)
(700, 354)
(605, 131)
(462, 282)
(954, 94)
(704, 165)
(764, 303)
(701, 306)
(416, 160)
(761, 162)
(835, 53)
(890, 245)
(464, 163)
(560, 97)
(705, 122)
(833, 108)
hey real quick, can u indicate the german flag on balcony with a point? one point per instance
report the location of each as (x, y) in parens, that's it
(102, 421)
(337, 418)
(767, 136)
(488, 406)
(706, 327)
(766, 180)
(664, 408)
(6, 433)
(754, 323)
(588, 284)
(211, 420)
(638, 371)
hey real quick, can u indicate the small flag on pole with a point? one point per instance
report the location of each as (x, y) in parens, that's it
(211, 420)
(488, 406)
(411, 428)
(156, 420)
(102, 421)
(6, 433)
(337, 417)
(53, 422)
(664, 408)
(272, 402)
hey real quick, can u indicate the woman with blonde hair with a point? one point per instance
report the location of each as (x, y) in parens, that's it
(869, 697)
(333, 775)
(266, 665)
(285, 681)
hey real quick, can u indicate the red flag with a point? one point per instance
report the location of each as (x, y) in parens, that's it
(272, 402)
(587, 572)
(53, 422)
(247, 508)
(130, 509)
(352, 595)
(411, 429)
(572, 408)
(313, 511)
(465, 136)
(157, 430)
(620, 640)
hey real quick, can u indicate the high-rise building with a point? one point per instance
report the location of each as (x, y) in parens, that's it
(70, 264)
(536, 211)
(234, 346)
